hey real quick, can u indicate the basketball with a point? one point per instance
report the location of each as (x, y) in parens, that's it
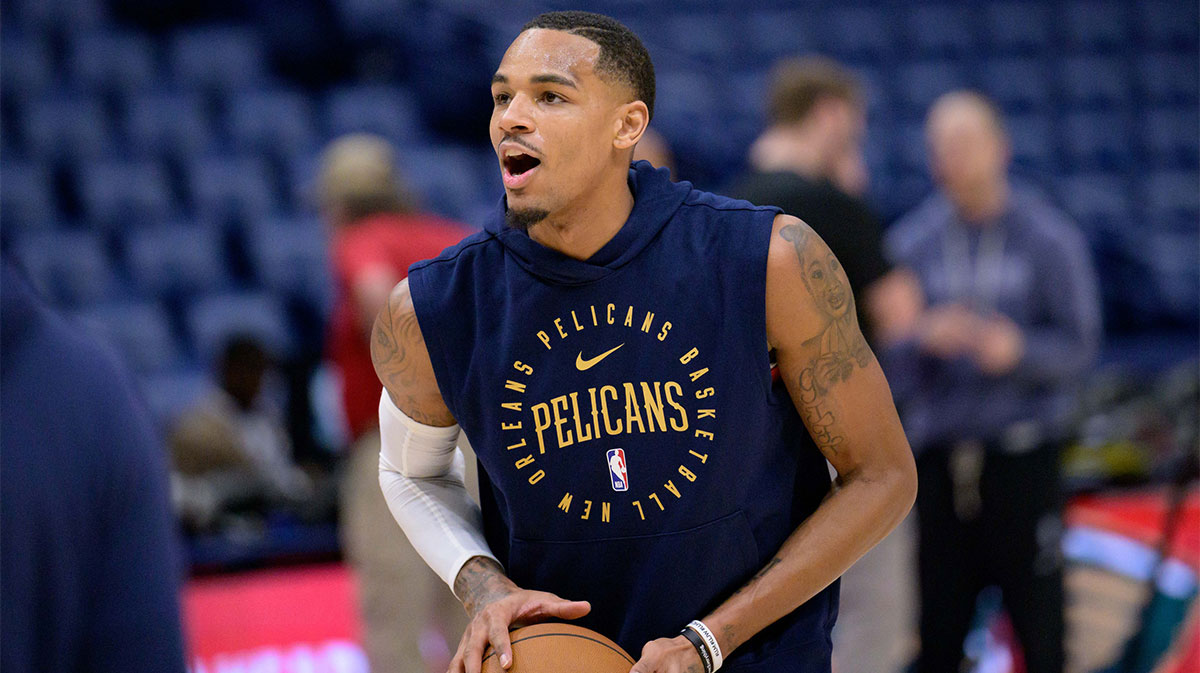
(560, 648)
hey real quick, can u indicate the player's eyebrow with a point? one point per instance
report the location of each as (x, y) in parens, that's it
(547, 78)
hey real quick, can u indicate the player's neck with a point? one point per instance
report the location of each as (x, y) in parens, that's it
(584, 226)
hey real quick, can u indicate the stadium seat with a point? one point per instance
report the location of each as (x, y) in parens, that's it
(1096, 25)
(278, 123)
(140, 331)
(1169, 78)
(856, 33)
(703, 37)
(111, 62)
(446, 179)
(218, 59)
(1100, 202)
(1168, 24)
(178, 259)
(911, 147)
(939, 30)
(66, 129)
(371, 18)
(71, 268)
(1172, 198)
(386, 111)
(224, 188)
(214, 319)
(1018, 27)
(1095, 81)
(170, 393)
(124, 194)
(1018, 85)
(27, 200)
(61, 17)
(167, 124)
(920, 83)
(1032, 141)
(27, 70)
(1097, 140)
(291, 257)
(780, 33)
(1171, 136)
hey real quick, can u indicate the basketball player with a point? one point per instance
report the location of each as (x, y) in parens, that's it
(605, 311)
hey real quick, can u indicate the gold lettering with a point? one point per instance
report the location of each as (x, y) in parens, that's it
(610, 310)
(629, 317)
(605, 512)
(633, 411)
(608, 428)
(515, 386)
(654, 406)
(647, 322)
(587, 509)
(524, 461)
(510, 426)
(541, 422)
(594, 323)
(687, 474)
(707, 392)
(579, 426)
(595, 413)
(681, 424)
(702, 456)
(697, 374)
(518, 445)
(523, 368)
(511, 406)
(536, 477)
(705, 434)
(638, 504)
(654, 497)
(706, 413)
(544, 338)
(670, 486)
(662, 336)
(559, 421)
(689, 356)
(574, 319)
(565, 503)
(558, 324)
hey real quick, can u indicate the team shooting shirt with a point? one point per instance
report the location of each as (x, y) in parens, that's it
(634, 451)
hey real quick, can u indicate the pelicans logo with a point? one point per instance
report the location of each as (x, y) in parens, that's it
(635, 376)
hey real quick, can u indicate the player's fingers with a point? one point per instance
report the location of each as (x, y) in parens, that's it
(501, 644)
(648, 662)
(474, 647)
(550, 605)
(456, 664)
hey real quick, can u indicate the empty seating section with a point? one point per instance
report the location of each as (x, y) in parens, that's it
(160, 185)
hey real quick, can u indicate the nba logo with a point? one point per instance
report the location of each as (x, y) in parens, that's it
(616, 470)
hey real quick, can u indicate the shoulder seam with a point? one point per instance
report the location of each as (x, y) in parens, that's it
(439, 259)
(751, 208)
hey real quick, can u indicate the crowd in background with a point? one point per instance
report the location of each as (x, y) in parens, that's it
(194, 213)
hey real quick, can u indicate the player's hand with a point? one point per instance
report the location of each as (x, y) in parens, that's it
(490, 625)
(669, 655)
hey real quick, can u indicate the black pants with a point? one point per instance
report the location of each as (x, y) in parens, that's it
(989, 518)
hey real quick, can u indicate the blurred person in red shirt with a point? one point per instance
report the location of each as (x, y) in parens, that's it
(376, 234)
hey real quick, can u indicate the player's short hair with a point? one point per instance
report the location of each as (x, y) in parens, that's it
(622, 55)
(798, 84)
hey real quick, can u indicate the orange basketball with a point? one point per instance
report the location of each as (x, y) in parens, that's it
(560, 648)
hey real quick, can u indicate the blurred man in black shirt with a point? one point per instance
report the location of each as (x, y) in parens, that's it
(809, 162)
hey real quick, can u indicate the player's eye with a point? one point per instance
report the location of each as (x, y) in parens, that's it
(501, 98)
(551, 97)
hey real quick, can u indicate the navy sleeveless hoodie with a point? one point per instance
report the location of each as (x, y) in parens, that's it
(634, 451)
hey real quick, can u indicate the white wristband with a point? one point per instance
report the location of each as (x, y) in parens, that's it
(710, 640)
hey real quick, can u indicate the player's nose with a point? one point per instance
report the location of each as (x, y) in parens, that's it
(517, 116)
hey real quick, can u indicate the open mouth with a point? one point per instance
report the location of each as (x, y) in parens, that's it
(518, 167)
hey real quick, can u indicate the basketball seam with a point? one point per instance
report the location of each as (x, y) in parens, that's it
(567, 635)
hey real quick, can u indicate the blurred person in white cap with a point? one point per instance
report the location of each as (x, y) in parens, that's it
(376, 234)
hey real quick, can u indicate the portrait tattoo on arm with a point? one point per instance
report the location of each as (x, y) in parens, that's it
(840, 346)
(397, 369)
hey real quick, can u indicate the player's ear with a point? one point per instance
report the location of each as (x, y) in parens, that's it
(631, 122)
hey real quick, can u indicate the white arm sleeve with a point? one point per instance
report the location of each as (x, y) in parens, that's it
(421, 474)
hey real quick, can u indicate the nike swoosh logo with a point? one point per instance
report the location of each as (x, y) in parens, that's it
(584, 365)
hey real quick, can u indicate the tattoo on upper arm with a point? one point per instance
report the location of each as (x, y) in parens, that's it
(394, 363)
(840, 345)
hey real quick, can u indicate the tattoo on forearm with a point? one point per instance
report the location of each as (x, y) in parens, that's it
(841, 347)
(479, 583)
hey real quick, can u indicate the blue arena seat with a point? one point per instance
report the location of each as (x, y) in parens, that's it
(277, 122)
(291, 257)
(779, 33)
(386, 111)
(704, 37)
(1168, 24)
(1169, 78)
(1018, 85)
(1097, 25)
(218, 58)
(213, 319)
(170, 393)
(940, 30)
(139, 331)
(921, 82)
(110, 61)
(1172, 198)
(1018, 27)
(60, 17)
(1097, 140)
(27, 200)
(1032, 139)
(28, 67)
(856, 33)
(167, 124)
(448, 180)
(1095, 81)
(124, 194)
(224, 188)
(177, 259)
(371, 18)
(71, 268)
(1171, 136)
(66, 128)
(1100, 202)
